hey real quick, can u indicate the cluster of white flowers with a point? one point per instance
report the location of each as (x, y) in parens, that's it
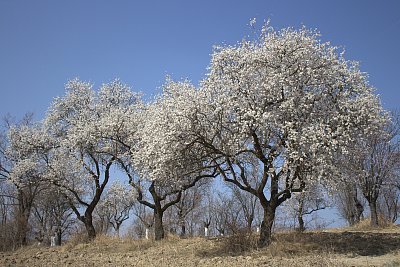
(119, 194)
(28, 147)
(167, 150)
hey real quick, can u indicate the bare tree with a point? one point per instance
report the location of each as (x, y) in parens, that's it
(117, 205)
(190, 201)
(349, 202)
(248, 204)
(227, 214)
(52, 216)
(144, 221)
(8, 223)
(373, 163)
(308, 202)
(389, 203)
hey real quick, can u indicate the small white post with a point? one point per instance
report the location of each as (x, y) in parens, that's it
(206, 231)
(147, 233)
(258, 229)
(52, 241)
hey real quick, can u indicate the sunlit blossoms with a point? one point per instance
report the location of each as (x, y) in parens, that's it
(283, 104)
(273, 117)
(29, 147)
(90, 131)
(167, 150)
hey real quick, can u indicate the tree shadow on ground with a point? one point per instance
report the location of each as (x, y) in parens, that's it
(293, 243)
(359, 243)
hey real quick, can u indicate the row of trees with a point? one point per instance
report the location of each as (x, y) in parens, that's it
(277, 117)
(224, 212)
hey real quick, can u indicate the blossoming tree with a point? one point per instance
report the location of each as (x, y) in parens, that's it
(165, 161)
(26, 153)
(281, 106)
(85, 126)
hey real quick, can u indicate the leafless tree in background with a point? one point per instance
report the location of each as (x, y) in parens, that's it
(350, 203)
(374, 162)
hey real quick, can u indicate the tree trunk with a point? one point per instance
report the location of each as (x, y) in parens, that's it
(359, 211)
(22, 229)
(58, 237)
(301, 223)
(373, 212)
(91, 231)
(117, 227)
(249, 221)
(25, 201)
(183, 229)
(300, 213)
(158, 225)
(266, 227)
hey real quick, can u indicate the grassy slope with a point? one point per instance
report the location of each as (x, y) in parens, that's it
(327, 248)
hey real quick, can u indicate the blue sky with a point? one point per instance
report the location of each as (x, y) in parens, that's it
(45, 43)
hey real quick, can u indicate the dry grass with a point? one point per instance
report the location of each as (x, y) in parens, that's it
(319, 248)
(365, 224)
(240, 243)
(361, 243)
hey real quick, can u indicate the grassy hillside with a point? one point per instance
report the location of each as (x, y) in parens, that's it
(343, 247)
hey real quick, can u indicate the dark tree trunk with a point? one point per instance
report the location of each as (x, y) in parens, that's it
(183, 229)
(91, 231)
(359, 211)
(25, 201)
(58, 237)
(158, 225)
(22, 229)
(249, 221)
(117, 227)
(373, 212)
(266, 227)
(301, 223)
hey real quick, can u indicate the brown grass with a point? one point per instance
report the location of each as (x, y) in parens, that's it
(355, 242)
(365, 224)
(317, 248)
(240, 243)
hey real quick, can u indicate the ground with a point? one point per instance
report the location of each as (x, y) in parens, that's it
(344, 247)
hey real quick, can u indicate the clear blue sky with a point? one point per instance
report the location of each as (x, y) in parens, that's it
(45, 43)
